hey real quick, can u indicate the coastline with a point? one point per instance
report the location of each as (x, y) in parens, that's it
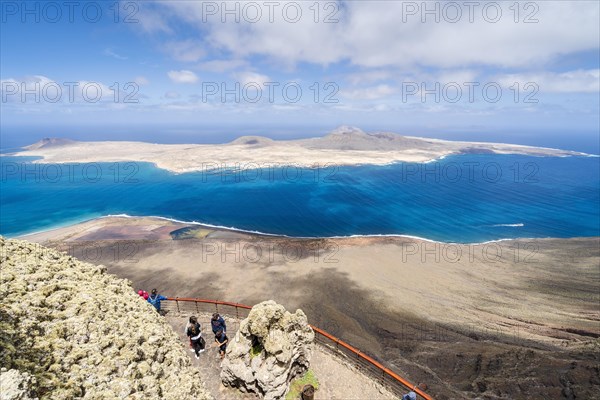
(482, 228)
(234, 230)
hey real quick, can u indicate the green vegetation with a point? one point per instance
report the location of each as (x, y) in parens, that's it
(297, 384)
(256, 349)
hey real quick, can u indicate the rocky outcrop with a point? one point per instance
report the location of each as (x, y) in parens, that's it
(271, 348)
(15, 385)
(70, 330)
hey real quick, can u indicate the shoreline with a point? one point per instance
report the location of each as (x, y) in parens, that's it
(343, 147)
(278, 236)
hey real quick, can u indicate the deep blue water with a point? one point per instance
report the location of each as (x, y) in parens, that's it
(467, 198)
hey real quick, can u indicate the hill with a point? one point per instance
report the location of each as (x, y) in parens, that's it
(49, 142)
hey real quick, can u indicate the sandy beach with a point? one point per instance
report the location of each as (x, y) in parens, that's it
(515, 318)
(344, 146)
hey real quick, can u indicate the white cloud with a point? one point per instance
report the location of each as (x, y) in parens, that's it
(286, 107)
(363, 77)
(187, 50)
(183, 76)
(578, 81)
(151, 20)
(172, 95)
(89, 91)
(459, 76)
(41, 90)
(371, 93)
(222, 65)
(373, 34)
(141, 80)
(111, 53)
(251, 77)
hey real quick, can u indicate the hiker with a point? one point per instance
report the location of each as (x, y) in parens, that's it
(218, 323)
(155, 299)
(221, 341)
(194, 332)
(187, 326)
(412, 395)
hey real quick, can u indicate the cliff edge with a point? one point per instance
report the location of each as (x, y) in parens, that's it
(70, 330)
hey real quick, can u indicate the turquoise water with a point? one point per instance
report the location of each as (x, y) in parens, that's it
(467, 198)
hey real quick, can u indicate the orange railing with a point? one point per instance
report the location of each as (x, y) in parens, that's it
(386, 376)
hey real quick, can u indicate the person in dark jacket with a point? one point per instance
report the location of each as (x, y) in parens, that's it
(221, 341)
(217, 324)
(194, 332)
(155, 299)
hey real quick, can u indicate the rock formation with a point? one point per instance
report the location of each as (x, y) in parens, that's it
(271, 348)
(15, 385)
(70, 330)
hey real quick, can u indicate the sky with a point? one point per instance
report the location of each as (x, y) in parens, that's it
(473, 68)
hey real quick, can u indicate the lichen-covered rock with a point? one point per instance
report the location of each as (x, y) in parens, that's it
(15, 385)
(74, 331)
(270, 349)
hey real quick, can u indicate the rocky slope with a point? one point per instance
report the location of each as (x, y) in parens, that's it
(70, 330)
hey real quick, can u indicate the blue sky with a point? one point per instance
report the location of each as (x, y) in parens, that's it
(369, 60)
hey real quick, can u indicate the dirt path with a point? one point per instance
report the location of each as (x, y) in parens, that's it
(337, 380)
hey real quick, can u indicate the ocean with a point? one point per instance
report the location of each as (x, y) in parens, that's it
(465, 198)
